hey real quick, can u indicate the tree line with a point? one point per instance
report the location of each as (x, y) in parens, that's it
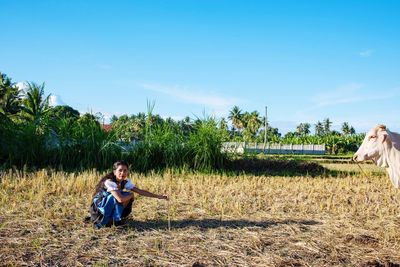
(34, 133)
(250, 127)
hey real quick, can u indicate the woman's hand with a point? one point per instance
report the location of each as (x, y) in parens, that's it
(149, 194)
(163, 197)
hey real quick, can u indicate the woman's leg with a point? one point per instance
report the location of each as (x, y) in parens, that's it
(111, 209)
(127, 206)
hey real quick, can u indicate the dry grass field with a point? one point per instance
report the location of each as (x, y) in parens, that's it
(216, 220)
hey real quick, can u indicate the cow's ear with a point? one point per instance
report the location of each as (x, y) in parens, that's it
(384, 137)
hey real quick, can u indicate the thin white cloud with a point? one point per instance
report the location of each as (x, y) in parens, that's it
(340, 95)
(219, 105)
(366, 53)
(55, 100)
(350, 93)
(22, 86)
(364, 123)
(352, 97)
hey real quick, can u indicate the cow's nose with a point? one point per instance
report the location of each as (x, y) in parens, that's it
(354, 158)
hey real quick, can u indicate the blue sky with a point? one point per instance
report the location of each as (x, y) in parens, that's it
(305, 60)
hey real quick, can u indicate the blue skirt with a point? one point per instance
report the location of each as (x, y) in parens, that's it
(106, 210)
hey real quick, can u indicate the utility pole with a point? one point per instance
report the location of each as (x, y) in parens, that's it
(266, 127)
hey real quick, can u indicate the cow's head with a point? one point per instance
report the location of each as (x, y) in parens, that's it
(375, 143)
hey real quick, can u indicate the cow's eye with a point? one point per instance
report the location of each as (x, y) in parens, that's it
(371, 137)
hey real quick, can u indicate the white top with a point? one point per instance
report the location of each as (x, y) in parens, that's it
(112, 186)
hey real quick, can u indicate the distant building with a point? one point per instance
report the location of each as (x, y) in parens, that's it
(106, 127)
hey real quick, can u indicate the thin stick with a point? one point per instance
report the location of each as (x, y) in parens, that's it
(362, 170)
(169, 219)
(169, 195)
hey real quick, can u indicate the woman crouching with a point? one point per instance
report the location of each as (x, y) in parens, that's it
(113, 198)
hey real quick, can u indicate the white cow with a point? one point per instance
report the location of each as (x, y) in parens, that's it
(382, 147)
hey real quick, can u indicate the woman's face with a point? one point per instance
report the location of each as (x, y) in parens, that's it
(121, 172)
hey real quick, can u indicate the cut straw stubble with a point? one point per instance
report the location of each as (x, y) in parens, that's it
(169, 195)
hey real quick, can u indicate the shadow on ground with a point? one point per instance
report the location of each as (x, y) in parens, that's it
(205, 224)
(282, 167)
(274, 167)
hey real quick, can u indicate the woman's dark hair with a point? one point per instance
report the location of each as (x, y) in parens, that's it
(111, 176)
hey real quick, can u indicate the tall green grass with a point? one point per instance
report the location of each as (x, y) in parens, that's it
(204, 146)
(84, 144)
(166, 146)
(81, 143)
(162, 147)
(64, 143)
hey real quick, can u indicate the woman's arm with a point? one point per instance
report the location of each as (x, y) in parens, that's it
(121, 198)
(148, 194)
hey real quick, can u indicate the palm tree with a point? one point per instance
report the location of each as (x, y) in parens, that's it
(254, 122)
(10, 100)
(327, 126)
(319, 129)
(306, 128)
(303, 129)
(35, 104)
(223, 125)
(345, 128)
(251, 123)
(236, 116)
